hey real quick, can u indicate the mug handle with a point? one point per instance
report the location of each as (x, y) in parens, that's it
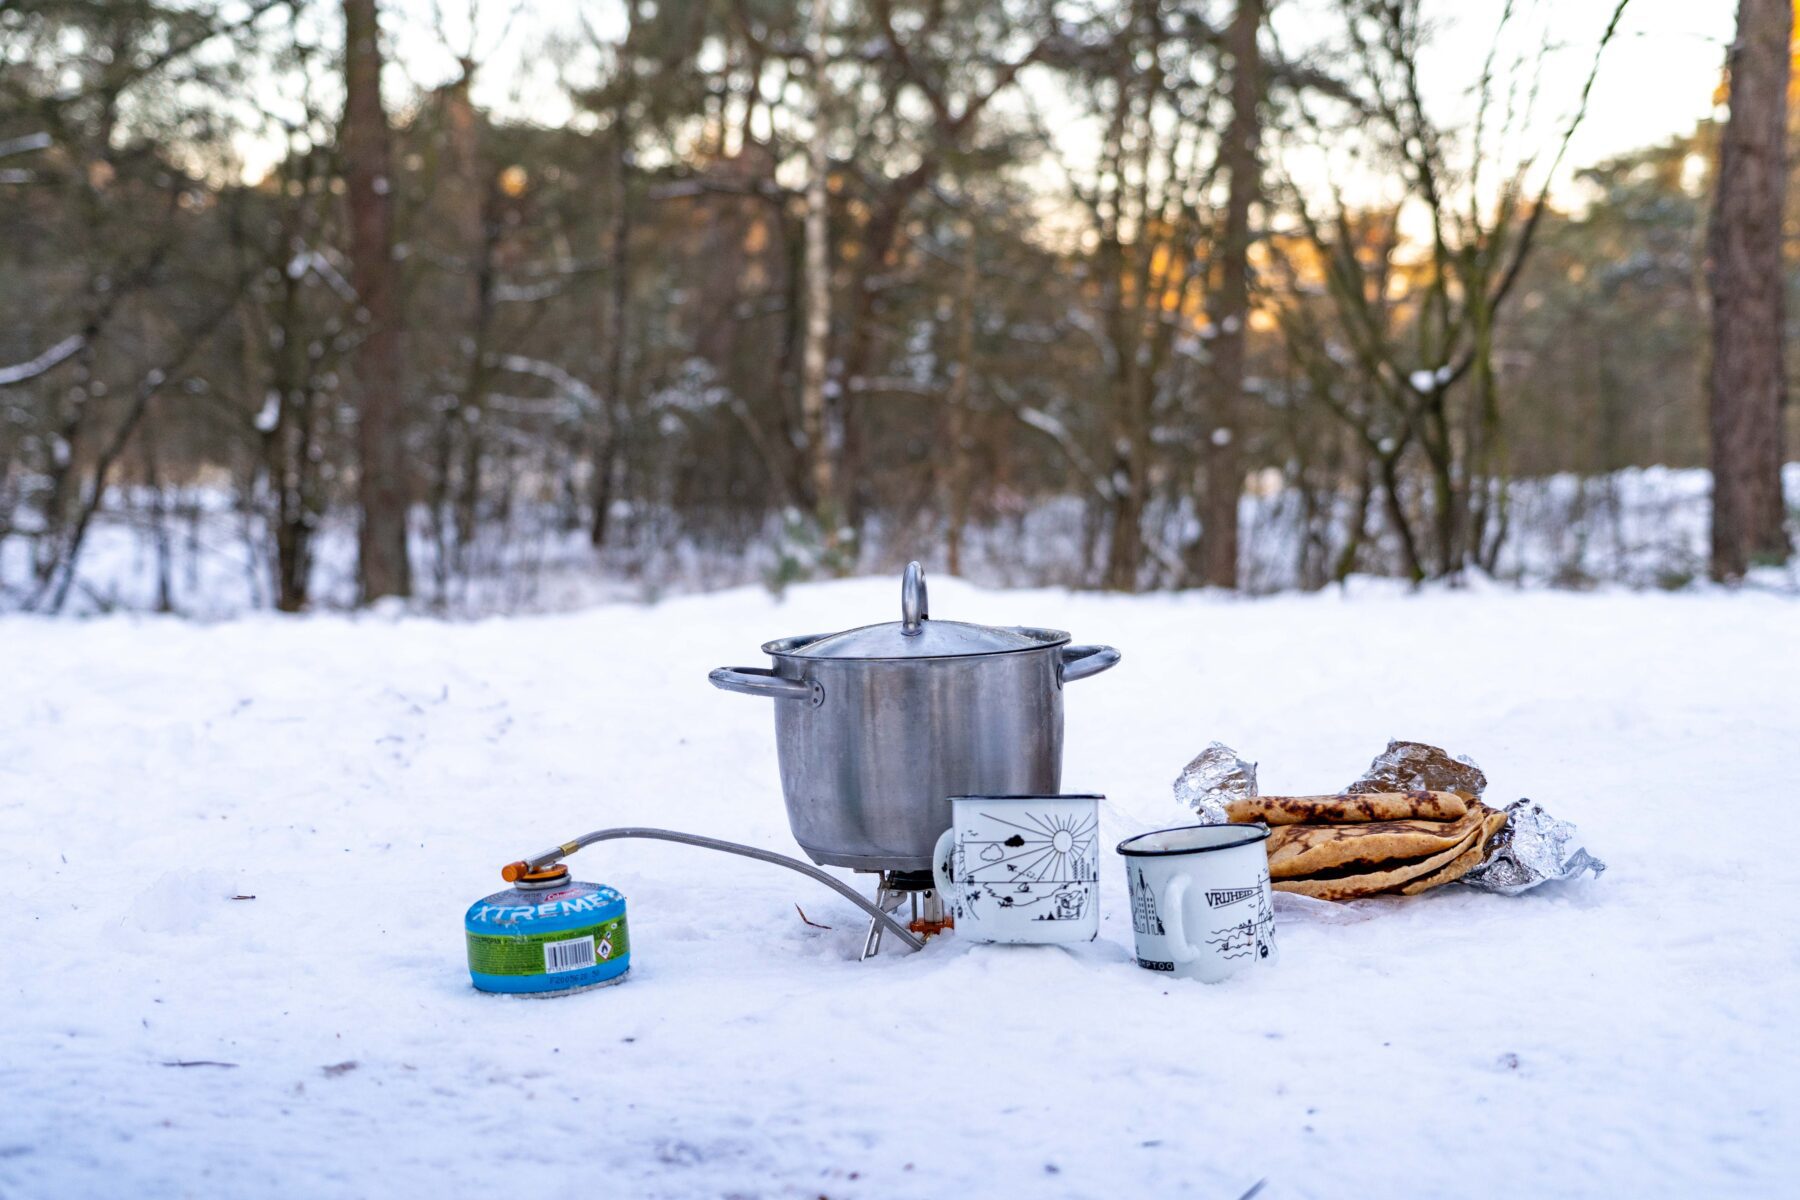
(940, 861)
(1180, 949)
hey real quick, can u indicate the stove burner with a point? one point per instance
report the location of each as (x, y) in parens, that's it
(920, 890)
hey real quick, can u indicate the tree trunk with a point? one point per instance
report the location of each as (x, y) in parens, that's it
(381, 482)
(1125, 545)
(159, 526)
(818, 290)
(1748, 386)
(1223, 452)
(475, 210)
(956, 466)
(288, 447)
(609, 424)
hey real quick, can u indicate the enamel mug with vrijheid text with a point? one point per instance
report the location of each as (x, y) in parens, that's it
(1201, 904)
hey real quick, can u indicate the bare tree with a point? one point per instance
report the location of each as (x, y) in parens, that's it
(818, 283)
(1230, 301)
(606, 442)
(291, 329)
(381, 483)
(1416, 345)
(1747, 385)
(956, 468)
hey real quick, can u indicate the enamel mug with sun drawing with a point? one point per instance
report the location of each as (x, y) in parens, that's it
(1022, 868)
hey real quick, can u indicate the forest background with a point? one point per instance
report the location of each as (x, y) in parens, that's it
(494, 304)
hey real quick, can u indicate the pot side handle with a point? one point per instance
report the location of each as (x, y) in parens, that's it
(760, 681)
(1078, 662)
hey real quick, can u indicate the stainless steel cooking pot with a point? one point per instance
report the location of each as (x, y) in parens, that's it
(878, 727)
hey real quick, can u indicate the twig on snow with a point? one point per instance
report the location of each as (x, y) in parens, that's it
(199, 1062)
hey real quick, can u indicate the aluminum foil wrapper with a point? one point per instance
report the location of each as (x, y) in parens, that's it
(1410, 766)
(1532, 848)
(1215, 778)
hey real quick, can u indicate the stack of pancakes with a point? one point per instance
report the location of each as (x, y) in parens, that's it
(1366, 844)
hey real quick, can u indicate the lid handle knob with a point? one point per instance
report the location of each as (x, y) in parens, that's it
(914, 610)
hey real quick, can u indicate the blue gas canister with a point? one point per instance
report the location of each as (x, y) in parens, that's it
(547, 935)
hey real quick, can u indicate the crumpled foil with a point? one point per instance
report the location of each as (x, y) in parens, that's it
(1410, 766)
(1215, 778)
(1531, 848)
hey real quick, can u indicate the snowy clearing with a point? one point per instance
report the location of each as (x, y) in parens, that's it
(364, 778)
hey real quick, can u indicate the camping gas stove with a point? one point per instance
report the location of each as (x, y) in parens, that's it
(917, 889)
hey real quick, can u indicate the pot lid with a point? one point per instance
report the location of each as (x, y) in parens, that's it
(916, 635)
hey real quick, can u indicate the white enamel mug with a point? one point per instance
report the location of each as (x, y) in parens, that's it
(1201, 906)
(1022, 868)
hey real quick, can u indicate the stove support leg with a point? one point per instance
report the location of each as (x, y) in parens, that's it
(888, 900)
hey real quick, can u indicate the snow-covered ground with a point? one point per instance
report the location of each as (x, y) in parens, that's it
(363, 779)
